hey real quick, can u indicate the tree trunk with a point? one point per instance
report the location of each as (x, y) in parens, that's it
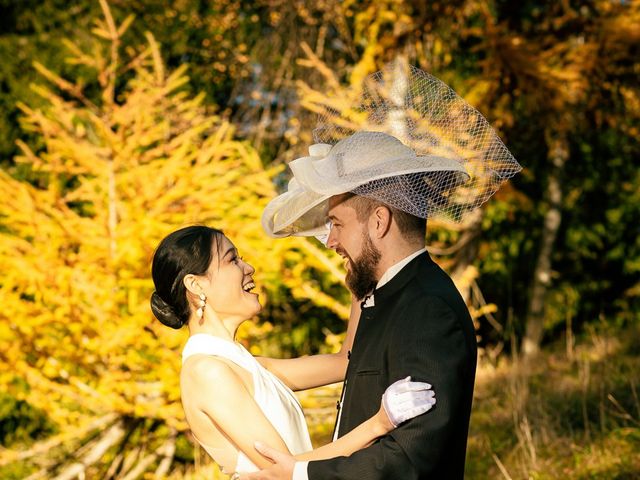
(397, 98)
(467, 254)
(558, 154)
(113, 215)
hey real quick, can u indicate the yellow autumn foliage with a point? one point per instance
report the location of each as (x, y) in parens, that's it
(106, 182)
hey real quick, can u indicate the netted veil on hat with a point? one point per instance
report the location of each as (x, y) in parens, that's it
(410, 142)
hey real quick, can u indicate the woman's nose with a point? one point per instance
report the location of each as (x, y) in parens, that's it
(250, 269)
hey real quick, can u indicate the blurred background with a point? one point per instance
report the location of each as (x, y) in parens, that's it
(121, 121)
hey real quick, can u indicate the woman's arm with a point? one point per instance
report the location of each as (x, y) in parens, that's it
(219, 392)
(223, 397)
(316, 370)
(401, 401)
(358, 438)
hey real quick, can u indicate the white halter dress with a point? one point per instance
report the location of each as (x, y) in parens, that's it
(275, 399)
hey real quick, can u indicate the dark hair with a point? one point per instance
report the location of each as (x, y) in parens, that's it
(409, 225)
(183, 252)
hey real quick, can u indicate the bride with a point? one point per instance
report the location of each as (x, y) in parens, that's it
(232, 399)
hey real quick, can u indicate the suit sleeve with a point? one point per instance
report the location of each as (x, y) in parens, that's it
(427, 343)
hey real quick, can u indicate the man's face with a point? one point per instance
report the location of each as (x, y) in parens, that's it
(350, 238)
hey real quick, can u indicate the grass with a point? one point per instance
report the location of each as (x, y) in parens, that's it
(571, 413)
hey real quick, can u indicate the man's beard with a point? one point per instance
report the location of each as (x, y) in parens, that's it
(361, 277)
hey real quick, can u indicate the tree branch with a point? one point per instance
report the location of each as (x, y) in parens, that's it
(112, 436)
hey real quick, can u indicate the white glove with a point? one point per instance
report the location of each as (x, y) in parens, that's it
(405, 399)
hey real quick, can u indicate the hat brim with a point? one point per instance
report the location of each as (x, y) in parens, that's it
(308, 220)
(307, 209)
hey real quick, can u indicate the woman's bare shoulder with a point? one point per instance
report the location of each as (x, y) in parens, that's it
(204, 369)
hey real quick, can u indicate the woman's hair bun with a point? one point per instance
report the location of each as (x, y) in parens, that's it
(188, 251)
(165, 312)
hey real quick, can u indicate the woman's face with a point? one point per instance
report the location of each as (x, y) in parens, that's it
(228, 284)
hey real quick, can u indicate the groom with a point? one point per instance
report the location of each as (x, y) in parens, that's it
(413, 322)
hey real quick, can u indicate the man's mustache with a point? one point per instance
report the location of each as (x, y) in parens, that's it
(342, 253)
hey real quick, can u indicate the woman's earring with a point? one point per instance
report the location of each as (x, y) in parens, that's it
(203, 302)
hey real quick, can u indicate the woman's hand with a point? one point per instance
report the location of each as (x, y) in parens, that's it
(402, 401)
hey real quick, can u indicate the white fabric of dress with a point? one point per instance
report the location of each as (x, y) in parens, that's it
(278, 403)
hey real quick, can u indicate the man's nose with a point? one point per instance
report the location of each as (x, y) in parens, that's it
(332, 240)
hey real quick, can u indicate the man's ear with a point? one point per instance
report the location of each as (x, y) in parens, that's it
(191, 284)
(380, 221)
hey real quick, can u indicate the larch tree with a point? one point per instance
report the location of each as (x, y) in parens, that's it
(79, 220)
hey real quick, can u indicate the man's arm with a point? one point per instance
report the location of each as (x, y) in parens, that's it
(428, 344)
(316, 370)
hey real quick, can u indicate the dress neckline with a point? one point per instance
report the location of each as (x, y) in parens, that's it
(215, 337)
(208, 344)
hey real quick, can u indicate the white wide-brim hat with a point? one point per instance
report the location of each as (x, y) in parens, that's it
(364, 158)
(438, 158)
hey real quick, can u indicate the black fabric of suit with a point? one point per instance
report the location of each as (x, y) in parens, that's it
(421, 327)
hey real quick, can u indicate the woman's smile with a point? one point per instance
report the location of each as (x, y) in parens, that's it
(250, 285)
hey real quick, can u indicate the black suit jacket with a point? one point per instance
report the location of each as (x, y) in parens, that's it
(419, 326)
